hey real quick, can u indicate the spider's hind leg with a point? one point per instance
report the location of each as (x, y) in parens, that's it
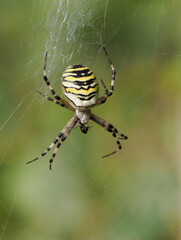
(57, 97)
(107, 94)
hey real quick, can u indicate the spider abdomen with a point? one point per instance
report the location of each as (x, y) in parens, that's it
(80, 87)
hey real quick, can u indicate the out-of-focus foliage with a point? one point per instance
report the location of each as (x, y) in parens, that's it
(131, 195)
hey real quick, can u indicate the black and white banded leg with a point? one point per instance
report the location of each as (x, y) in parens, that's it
(107, 94)
(110, 128)
(103, 99)
(57, 102)
(71, 124)
(50, 86)
(59, 139)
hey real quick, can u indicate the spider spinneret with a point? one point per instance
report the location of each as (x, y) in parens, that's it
(80, 87)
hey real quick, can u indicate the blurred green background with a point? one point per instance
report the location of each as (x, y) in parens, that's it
(131, 195)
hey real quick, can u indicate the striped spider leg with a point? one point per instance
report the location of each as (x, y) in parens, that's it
(110, 128)
(58, 140)
(57, 102)
(107, 94)
(57, 97)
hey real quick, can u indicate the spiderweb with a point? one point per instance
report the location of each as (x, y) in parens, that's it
(131, 195)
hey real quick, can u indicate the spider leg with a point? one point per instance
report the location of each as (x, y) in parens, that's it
(110, 128)
(105, 88)
(60, 138)
(70, 125)
(50, 86)
(57, 102)
(107, 94)
(103, 99)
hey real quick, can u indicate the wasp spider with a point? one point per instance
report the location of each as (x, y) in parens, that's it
(81, 89)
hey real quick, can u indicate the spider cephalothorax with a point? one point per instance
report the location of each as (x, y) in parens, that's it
(81, 89)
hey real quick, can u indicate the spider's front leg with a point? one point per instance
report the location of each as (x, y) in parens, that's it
(58, 140)
(110, 128)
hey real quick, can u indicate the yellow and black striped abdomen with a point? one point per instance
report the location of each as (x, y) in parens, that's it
(80, 87)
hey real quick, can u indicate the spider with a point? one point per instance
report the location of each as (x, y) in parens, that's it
(81, 89)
